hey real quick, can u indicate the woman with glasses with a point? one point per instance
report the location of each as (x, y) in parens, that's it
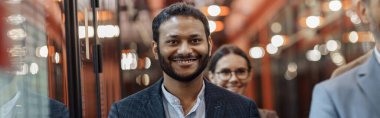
(230, 68)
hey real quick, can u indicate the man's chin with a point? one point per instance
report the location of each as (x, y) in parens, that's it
(183, 78)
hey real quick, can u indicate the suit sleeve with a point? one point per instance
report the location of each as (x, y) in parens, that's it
(65, 112)
(253, 111)
(113, 112)
(322, 105)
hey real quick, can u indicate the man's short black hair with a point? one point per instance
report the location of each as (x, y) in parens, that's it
(178, 9)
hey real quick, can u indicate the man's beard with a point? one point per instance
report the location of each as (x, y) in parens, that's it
(166, 66)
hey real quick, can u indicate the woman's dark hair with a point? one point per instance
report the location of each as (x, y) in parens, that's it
(178, 9)
(225, 50)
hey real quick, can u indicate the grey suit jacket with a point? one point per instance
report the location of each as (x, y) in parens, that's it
(220, 103)
(354, 94)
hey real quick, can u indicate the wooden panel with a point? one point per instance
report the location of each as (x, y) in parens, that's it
(110, 89)
(51, 80)
(88, 90)
(64, 76)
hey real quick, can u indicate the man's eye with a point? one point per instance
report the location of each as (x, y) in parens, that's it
(195, 41)
(172, 42)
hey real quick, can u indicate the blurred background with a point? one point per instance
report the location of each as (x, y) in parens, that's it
(89, 58)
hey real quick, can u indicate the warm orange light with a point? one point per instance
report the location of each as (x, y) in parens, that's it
(80, 16)
(219, 26)
(346, 4)
(224, 10)
(303, 22)
(141, 63)
(103, 15)
(362, 37)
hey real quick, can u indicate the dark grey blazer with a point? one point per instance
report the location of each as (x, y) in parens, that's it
(220, 103)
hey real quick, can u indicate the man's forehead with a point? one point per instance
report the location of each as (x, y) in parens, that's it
(178, 25)
(180, 18)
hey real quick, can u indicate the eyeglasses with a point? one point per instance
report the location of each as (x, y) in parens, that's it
(226, 74)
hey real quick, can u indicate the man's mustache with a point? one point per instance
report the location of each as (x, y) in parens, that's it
(184, 57)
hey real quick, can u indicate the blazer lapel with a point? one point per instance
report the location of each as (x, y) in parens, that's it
(214, 101)
(368, 78)
(155, 105)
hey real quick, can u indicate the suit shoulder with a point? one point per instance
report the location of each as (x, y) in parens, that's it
(56, 104)
(138, 98)
(343, 82)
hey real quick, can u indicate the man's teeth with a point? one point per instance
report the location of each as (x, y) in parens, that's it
(185, 61)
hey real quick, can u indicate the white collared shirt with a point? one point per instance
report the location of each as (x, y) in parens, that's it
(6, 109)
(173, 107)
(377, 55)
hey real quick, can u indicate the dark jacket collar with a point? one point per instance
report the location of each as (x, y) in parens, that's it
(214, 103)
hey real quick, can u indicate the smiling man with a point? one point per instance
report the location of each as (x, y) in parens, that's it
(182, 44)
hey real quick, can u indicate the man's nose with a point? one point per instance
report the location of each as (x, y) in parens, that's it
(184, 48)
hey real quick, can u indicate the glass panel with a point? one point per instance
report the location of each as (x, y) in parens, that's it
(99, 90)
(32, 72)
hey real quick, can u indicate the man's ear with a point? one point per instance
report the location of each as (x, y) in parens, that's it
(362, 12)
(155, 49)
(211, 44)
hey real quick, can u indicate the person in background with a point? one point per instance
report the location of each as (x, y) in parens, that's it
(230, 68)
(355, 93)
(182, 45)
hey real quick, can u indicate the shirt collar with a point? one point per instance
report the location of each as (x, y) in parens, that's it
(377, 55)
(173, 100)
(8, 106)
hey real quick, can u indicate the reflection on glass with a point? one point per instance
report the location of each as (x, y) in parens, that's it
(13, 1)
(22, 68)
(15, 19)
(145, 80)
(17, 51)
(24, 82)
(33, 68)
(42, 51)
(148, 63)
(17, 34)
(57, 58)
